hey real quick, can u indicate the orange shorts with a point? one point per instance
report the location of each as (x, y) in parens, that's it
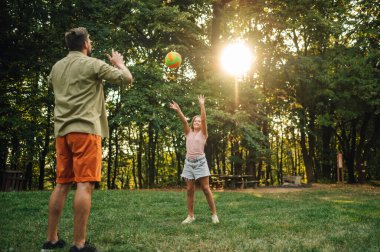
(79, 157)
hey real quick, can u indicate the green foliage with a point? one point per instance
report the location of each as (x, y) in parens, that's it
(318, 59)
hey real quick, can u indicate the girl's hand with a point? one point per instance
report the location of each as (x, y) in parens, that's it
(175, 106)
(201, 99)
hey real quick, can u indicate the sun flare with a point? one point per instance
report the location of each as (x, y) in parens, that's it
(236, 58)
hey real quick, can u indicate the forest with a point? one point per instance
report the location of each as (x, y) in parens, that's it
(312, 91)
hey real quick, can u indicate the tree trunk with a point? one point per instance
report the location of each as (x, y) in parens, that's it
(209, 156)
(281, 156)
(134, 171)
(370, 149)
(223, 152)
(218, 170)
(139, 157)
(327, 168)
(109, 161)
(250, 163)
(232, 152)
(179, 165)
(239, 159)
(295, 149)
(307, 159)
(311, 138)
(28, 176)
(268, 164)
(15, 153)
(155, 160)
(178, 157)
(132, 147)
(116, 162)
(44, 152)
(151, 155)
(350, 156)
(4, 138)
(259, 169)
(359, 158)
(3, 151)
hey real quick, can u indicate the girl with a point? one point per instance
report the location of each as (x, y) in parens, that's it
(196, 167)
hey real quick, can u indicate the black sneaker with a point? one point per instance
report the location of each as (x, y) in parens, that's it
(47, 246)
(87, 248)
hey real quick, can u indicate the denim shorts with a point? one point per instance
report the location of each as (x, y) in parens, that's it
(195, 168)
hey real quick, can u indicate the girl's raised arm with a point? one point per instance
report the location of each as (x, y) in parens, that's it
(186, 127)
(201, 99)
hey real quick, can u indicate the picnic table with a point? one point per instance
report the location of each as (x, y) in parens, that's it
(292, 180)
(235, 181)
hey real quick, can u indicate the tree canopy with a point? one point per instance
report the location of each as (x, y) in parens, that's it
(312, 91)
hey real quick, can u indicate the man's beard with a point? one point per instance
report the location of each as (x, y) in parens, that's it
(89, 53)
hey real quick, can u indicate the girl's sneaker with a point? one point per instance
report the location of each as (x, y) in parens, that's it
(215, 219)
(189, 219)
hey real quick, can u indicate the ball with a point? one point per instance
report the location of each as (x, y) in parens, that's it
(173, 60)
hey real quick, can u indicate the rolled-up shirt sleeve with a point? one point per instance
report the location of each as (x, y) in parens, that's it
(112, 74)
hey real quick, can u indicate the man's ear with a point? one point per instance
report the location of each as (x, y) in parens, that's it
(86, 47)
(86, 44)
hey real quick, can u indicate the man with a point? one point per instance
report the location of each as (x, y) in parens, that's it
(80, 123)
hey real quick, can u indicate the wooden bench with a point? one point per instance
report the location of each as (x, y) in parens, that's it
(230, 183)
(11, 180)
(292, 180)
(253, 183)
(216, 183)
(243, 184)
(233, 183)
(375, 183)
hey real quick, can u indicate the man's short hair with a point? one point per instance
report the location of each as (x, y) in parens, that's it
(75, 38)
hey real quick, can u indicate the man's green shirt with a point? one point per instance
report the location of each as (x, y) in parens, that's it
(77, 82)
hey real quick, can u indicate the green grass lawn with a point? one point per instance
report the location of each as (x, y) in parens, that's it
(330, 219)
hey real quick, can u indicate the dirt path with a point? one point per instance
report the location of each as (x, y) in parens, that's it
(267, 190)
(264, 190)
